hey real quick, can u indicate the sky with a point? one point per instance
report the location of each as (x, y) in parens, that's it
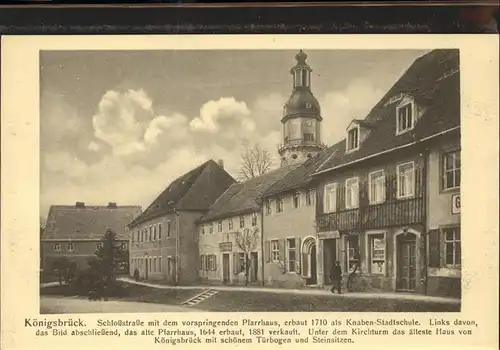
(119, 126)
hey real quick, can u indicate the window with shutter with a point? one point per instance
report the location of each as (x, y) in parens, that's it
(267, 251)
(376, 184)
(434, 248)
(405, 180)
(282, 247)
(330, 198)
(352, 193)
(235, 263)
(291, 254)
(452, 246)
(275, 251)
(298, 265)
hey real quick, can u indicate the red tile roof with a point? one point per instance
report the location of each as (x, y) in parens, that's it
(301, 176)
(89, 222)
(434, 82)
(198, 189)
(243, 197)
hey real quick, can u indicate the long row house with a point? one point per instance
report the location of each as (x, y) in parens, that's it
(384, 201)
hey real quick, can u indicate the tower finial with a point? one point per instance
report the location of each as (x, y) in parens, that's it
(301, 57)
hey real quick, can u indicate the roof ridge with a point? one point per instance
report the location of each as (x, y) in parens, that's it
(269, 172)
(333, 147)
(223, 193)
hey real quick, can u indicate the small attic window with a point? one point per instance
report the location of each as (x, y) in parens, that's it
(405, 118)
(353, 139)
(308, 105)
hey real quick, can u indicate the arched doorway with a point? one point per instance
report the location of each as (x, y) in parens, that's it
(407, 262)
(309, 261)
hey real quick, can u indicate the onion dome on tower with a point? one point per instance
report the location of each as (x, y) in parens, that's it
(301, 117)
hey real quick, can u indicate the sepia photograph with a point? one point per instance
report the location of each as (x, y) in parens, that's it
(300, 180)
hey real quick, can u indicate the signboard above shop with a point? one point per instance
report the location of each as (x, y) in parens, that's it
(455, 204)
(329, 235)
(226, 246)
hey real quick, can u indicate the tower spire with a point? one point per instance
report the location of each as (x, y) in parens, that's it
(301, 72)
(301, 117)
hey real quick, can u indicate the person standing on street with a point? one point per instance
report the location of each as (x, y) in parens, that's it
(336, 277)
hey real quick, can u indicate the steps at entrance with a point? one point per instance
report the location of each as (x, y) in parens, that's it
(200, 297)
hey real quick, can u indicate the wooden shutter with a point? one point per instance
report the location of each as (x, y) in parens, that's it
(391, 186)
(282, 248)
(298, 264)
(201, 262)
(434, 248)
(340, 195)
(319, 200)
(267, 251)
(215, 262)
(235, 263)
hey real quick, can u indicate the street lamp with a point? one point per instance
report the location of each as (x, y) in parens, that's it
(146, 262)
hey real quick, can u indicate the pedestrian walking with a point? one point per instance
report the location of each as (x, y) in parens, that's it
(336, 277)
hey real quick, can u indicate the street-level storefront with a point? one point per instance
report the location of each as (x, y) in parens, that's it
(390, 259)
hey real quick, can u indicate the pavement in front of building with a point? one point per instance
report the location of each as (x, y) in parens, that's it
(311, 291)
(75, 305)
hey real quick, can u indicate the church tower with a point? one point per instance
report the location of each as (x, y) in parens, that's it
(301, 117)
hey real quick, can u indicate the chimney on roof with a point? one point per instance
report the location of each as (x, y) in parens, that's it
(111, 205)
(80, 205)
(220, 162)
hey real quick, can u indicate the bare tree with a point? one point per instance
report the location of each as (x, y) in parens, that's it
(255, 162)
(247, 240)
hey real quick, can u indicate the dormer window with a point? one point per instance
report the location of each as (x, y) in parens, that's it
(405, 118)
(353, 139)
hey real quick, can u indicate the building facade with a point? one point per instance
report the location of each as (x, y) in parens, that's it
(222, 259)
(443, 217)
(230, 234)
(74, 232)
(380, 200)
(164, 238)
(290, 239)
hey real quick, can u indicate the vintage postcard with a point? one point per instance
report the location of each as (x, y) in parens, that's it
(250, 190)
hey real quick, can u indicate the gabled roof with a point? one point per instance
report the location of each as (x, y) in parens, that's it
(301, 176)
(361, 122)
(197, 190)
(243, 197)
(433, 81)
(89, 222)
